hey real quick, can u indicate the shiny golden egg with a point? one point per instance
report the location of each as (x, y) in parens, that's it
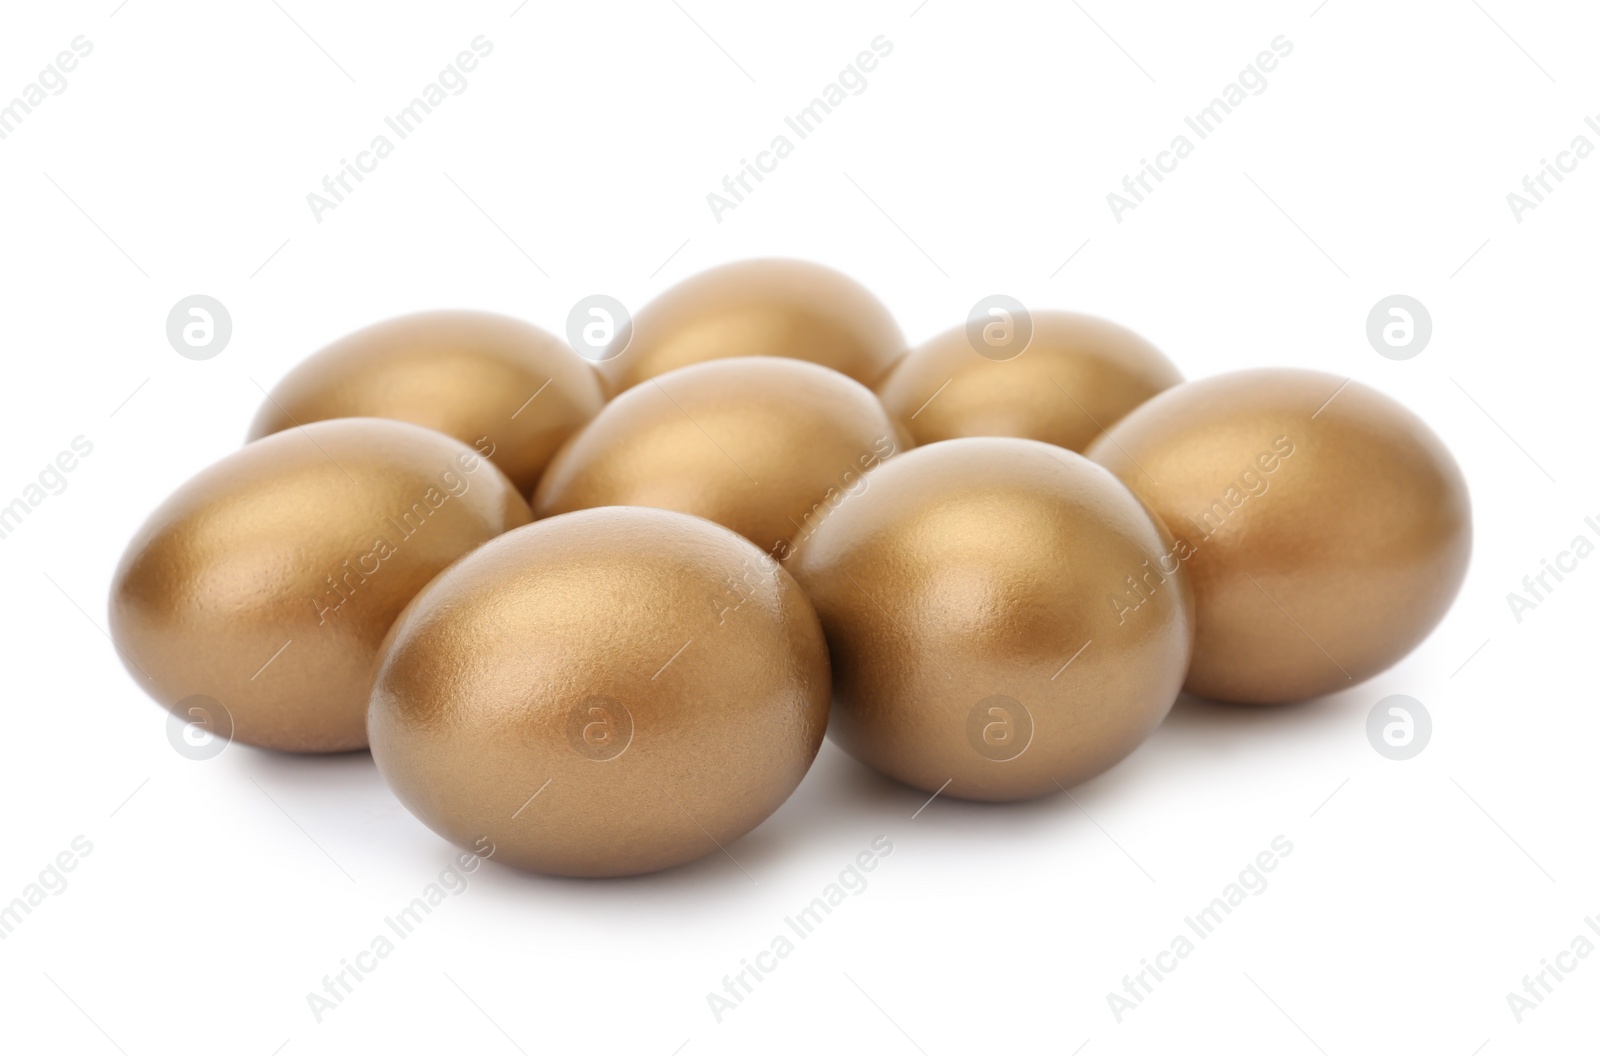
(1059, 377)
(788, 308)
(608, 692)
(1005, 618)
(760, 445)
(501, 385)
(254, 599)
(1328, 528)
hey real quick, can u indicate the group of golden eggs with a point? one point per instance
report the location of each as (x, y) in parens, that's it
(598, 609)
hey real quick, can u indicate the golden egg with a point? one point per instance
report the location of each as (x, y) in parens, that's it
(1327, 527)
(507, 388)
(609, 692)
(787, 308)
(763, 446)
(1001, 618)
(262, 588)
(1059, 377)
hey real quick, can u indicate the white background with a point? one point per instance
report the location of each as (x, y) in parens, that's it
(977, 161)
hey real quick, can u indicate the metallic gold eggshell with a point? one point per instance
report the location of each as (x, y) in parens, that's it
(1330, 527)
(267, 582)
(1077, 376)
(501, 385)
(605, 693)
(763, 446)
(1000, 622)
(788, 308)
